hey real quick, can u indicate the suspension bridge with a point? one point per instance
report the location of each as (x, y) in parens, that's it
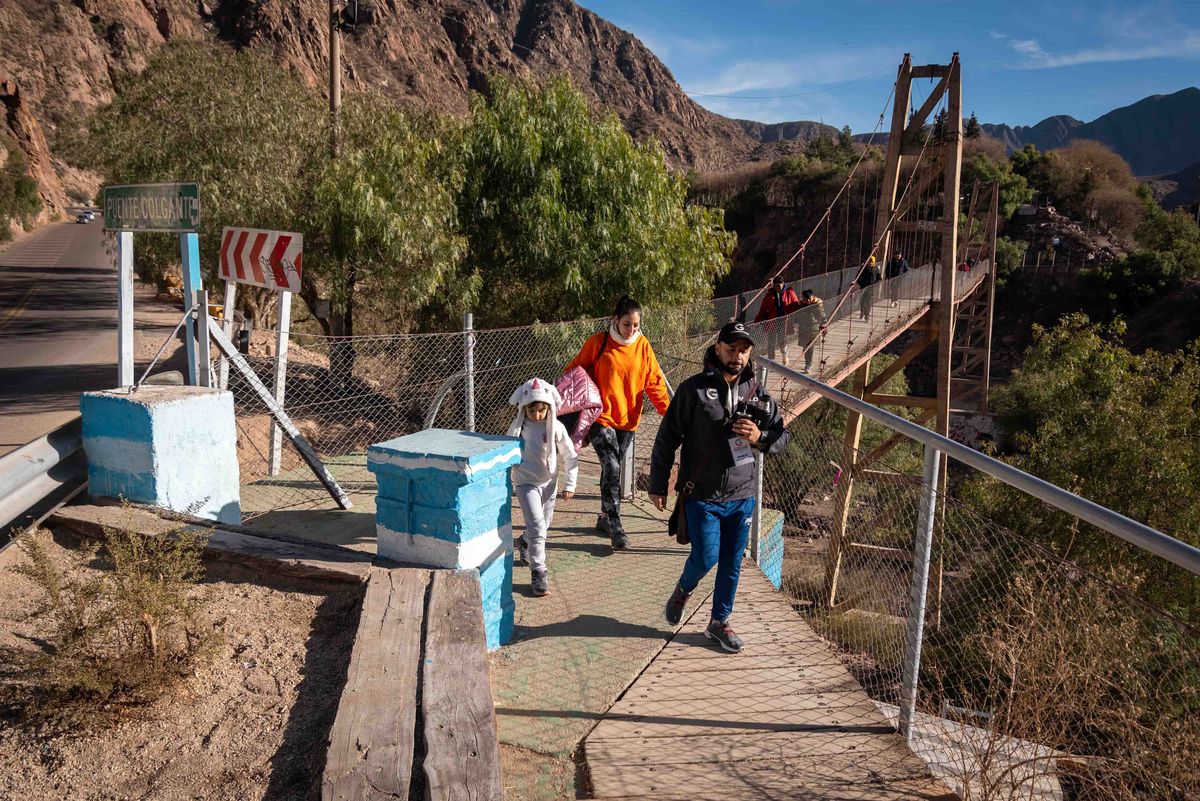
(855, 683)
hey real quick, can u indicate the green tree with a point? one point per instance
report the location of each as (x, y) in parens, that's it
(972, 130)
(1115, 427)
(564, 212)
(19, 199)
(984, 162)
(242, 127)
(382, 217)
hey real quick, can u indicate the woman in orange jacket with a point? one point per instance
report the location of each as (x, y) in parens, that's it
(622, 363)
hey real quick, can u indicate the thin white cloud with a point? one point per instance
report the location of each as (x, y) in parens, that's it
(998, 35)
(815, 71)
(1185, 44)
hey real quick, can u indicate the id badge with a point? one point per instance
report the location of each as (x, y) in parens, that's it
(741, 450)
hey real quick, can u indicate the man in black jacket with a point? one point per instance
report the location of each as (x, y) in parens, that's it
(720, 416)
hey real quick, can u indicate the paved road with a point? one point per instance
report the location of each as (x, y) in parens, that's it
(58, 327)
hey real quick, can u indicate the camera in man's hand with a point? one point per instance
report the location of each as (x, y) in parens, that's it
(752, 410)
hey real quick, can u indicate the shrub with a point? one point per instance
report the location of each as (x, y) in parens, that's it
(122, 624)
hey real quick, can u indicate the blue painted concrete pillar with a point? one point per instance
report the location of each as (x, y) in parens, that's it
(172, 447)
(445, 501)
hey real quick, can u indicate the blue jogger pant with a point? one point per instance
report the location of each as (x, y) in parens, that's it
(718, 530)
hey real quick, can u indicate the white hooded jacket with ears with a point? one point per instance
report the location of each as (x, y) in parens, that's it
(541, 442)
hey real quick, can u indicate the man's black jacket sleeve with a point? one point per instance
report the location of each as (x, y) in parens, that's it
(670, 435)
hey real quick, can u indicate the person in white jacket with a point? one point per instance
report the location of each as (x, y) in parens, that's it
(544, 442)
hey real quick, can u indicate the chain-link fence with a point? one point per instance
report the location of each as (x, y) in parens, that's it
(1042, 673)
(345, 393)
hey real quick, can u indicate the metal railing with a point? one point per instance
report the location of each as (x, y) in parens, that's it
(1016, 666)
(42, 474)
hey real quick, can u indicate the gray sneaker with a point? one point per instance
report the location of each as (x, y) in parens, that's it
(620, 540)
(722, 633)
(675, 605)
(540, 583)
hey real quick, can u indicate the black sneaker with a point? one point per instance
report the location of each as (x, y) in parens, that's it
(722, 632)
(620, 540)
(540, 584)
(675, 605)
(522, 551)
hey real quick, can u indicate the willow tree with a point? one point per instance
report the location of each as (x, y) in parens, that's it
(564, 212)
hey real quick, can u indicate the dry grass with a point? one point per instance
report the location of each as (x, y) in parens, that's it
(121, 623)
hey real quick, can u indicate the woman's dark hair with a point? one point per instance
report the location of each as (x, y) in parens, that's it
(626, 305)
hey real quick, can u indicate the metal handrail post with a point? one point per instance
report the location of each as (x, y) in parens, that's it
(756, 515)
(922, 551)
(469, 368)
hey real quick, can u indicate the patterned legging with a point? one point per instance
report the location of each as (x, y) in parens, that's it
(611, 445)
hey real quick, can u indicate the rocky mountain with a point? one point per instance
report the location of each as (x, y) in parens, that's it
(63, 58)
(1180, 189)
(1156, 135)
(802, 130)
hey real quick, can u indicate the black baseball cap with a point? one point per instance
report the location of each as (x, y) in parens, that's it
(732, 332)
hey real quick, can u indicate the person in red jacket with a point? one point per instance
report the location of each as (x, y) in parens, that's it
(779, 301)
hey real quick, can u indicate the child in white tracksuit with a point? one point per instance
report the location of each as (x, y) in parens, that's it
(544, 441)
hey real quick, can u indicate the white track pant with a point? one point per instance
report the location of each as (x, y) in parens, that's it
(537, 505)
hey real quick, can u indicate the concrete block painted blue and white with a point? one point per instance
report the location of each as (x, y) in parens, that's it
(171, 447)
(445, 501)
(770, 546)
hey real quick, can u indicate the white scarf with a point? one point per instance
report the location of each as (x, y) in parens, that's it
(615, 334)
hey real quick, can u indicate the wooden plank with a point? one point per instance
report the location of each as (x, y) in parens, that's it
(930, 71)
(900, 400)
(462, 751)
(371, 744)
(284, 557)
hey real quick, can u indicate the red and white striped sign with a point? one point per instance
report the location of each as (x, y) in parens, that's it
(270, 259)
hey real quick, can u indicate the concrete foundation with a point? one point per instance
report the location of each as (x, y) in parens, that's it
(444, 501)
(165, 446)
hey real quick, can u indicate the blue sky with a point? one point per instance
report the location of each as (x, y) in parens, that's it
(776, 60)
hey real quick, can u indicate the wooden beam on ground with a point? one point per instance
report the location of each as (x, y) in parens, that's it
(285, 558)
(462, 751)
(900, 400)
(371, 744)
(911, 352)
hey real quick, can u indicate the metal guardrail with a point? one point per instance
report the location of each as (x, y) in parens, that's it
(42, 474)
(1149, 539)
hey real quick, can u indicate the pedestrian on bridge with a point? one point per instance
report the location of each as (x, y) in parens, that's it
(779, 301)
(866, 282)
(624, 367)
(720, 416)
(897, 266)
(810, 322)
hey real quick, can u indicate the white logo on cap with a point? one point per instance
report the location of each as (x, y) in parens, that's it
(739, 327)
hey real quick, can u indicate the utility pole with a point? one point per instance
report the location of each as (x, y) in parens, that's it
(335, 73)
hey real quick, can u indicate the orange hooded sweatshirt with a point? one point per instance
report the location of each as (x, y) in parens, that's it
(623, 373)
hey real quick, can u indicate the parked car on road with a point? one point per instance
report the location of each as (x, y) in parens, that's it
(82, 218)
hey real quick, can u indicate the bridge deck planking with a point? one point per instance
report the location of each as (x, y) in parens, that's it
(850, 341)
(784, 719)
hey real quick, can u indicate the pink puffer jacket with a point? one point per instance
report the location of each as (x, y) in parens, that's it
(579, 395)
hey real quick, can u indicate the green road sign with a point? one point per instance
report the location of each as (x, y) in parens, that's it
(152, 207)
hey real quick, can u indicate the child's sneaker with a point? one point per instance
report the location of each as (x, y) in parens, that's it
(540, 584)
(522, 551)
